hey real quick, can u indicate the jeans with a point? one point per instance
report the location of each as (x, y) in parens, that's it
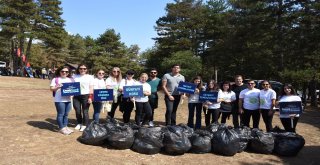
(191, 107)
(215, 116)
(96, 110)
(255, 117)
(267, 119)
(63, 109)
(81, 106)
(171, 109)
(145, 108)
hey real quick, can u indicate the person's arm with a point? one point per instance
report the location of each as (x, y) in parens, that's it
(165, 90)
(240, 105)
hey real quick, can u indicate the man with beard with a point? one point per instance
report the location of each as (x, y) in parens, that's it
(154, 82)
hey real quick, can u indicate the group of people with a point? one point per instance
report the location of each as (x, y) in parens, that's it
(240, 100)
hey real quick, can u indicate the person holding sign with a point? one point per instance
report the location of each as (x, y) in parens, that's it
(98, 83)
(249, 104)
(267, 103)
(81, 103)
(142, 103)
(113, 82)
(62, 103)
(289, 121)
(195, 104)
(211, 109)
(170, 82)
(227, 97)
(127, 104)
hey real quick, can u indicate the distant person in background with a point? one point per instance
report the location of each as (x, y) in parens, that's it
(98, 83)
(43, 73)
(212, 108)
(62, 103)
(82, 102)
(155, 84)
(113, 82)
(194, 105)
(288, 94)
(237, 88)
(170, 82)
(227, 97)
(267, 102)
(249, 105)
(142, 103)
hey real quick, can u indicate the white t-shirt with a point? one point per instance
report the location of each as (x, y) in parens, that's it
(266, 97)
(215, 105)
(250, 98)
(99, 84)
(290, 98)
(146, 88)
(58, 97)
(112, 82)
(85, 82)
(125, 82)
(227, 96)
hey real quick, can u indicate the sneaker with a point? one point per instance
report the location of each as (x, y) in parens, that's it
(151, 123)
(70, 130)
(64, 131)
(82, 128)
(78, 127)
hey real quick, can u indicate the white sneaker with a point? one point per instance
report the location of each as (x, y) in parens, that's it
(64, 131)
(70, 130)
(82, 128)
(151, 123)
(78, 127)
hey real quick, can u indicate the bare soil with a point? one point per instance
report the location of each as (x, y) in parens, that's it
(29, 134)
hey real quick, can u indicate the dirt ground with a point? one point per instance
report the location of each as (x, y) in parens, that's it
(29, 134)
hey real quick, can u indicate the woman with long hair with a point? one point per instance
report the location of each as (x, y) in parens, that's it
(212, 108)
(98, 83)
(227, 98)
(195, 104)
(267, 102)
(113, 82)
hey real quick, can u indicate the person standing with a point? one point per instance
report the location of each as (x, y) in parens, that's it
(289, 121)
(98, 83)
(237, 88)
(62, 103)
(127, 104)
(113, 82)
(195, 104)
(82, 102)
(142, 103)
(228, 98)
(212, 108)
(44, 73)
(170, 82)
(267, 102)
(155, 83)
(249, 105)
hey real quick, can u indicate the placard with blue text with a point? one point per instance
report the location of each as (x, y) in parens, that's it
(294, 107)
(102, 94)
(70, 89)
(186, 87)
(133, 91)
(208, 96)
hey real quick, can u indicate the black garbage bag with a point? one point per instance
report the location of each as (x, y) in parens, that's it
(186, 130)
(225, 141)
(94, 134)
(120, 136)
(212, 128)
(148, 140)
(175, 141)
(288, 143)
(201, 142)
(277, 129)
(134, 127)
(245, 136)
(261, 142)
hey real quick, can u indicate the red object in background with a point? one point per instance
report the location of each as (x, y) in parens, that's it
(28, 64)
(23, 58)
(18, 52)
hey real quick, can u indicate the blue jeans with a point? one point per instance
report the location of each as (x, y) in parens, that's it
(191, 107)
(96, 111)
(63, 109)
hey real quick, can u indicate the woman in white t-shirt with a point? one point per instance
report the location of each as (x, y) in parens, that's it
(249, 105)
(142, 103)
(289, 121)
(126, 105)
(227, 98)
(113, 82)
(267, 102)
(98, 83)
(82, 102)
(62, 103)
(212, 108)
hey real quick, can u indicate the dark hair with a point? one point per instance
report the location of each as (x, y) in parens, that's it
(263, 81)
(251, 80)
(226, 82)
(174, 65)
(57, 73)
(238, 75)
(77, 71)
(215, 85)
(293, 91)
(153, 69)
(200, 85)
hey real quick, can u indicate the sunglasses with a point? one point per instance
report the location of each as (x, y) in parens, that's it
(250, 83)
(64, 71)
(130, 74)
(82, 68)
(265, 84)
(101, 73)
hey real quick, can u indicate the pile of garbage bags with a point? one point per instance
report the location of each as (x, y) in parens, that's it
(179, 139)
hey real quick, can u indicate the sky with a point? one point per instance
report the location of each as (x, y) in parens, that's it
(134, 20)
